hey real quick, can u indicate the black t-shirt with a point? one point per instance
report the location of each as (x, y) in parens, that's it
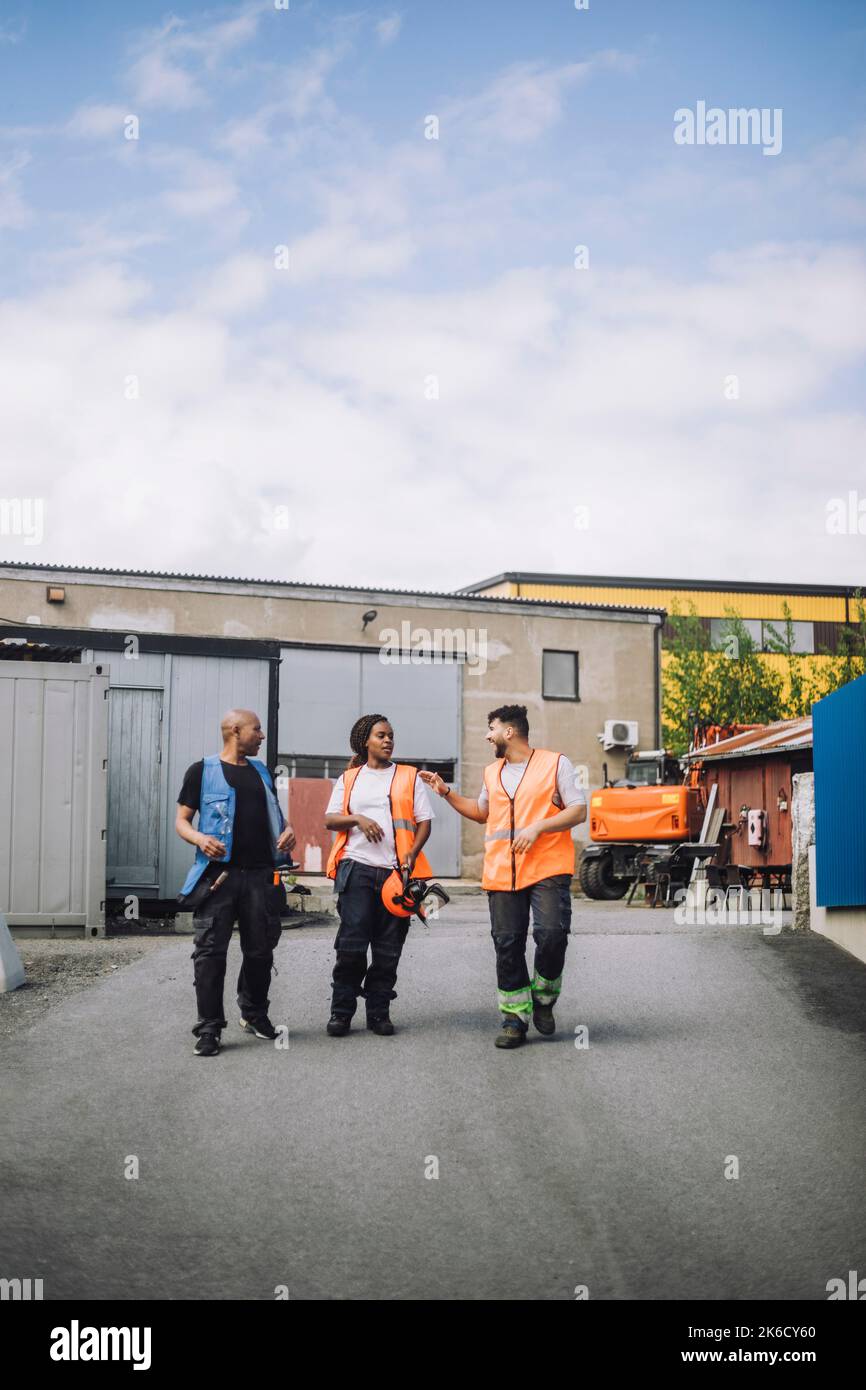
(251, 841)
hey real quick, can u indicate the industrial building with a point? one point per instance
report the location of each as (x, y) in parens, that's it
(819, 612)
(177, 650)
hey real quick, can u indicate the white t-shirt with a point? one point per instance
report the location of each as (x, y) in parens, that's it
(370, 798)
(570, 794)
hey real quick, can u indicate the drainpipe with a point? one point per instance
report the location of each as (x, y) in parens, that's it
(657, 679)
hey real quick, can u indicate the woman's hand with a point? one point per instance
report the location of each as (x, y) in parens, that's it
(370, 829)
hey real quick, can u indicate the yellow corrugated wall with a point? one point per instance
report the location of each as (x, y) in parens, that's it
(708, 603)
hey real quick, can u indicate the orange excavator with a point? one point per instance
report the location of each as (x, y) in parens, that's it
(658, 804)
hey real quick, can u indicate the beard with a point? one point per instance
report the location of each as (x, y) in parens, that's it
(499, 750)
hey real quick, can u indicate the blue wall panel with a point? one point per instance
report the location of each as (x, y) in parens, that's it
(839, 729)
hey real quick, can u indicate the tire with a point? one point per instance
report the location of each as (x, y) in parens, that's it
(604, 884)
(586, 878)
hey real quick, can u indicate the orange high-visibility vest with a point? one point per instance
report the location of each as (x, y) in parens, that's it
(505, 871)
(401, 799)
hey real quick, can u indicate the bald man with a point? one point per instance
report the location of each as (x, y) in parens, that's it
(241, 838)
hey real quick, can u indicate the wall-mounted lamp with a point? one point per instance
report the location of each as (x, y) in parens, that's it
(55, 594)
(369, 617)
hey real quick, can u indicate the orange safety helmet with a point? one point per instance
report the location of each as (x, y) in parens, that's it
(403, 896)
(396, 895)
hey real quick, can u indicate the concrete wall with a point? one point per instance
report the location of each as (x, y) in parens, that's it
(802, 838)
(846, 926)
(617, 650)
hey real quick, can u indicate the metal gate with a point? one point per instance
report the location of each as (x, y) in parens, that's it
(134, 757)
(166, 711)
(322, 693)
(52, 794)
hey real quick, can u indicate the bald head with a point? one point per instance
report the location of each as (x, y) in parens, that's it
(242, 732)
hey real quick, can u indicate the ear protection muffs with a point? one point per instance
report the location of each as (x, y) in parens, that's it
(404, 896)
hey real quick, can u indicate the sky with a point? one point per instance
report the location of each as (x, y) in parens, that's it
(413, 294)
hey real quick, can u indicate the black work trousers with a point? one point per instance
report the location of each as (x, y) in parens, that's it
(250, 898)
(365, 923)
(549, 901)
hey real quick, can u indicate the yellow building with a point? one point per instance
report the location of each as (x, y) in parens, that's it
(819, 612)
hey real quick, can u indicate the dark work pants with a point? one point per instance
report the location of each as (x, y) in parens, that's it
(549, 900)
(365, 922)
(250, 898)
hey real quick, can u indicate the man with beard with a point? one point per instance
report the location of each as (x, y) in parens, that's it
(529, 802)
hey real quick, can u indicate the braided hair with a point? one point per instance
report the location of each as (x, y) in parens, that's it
(361, 730)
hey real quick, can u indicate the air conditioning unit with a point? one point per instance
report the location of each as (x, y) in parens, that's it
(619, 733)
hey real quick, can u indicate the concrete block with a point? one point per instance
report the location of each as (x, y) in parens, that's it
(11, 969)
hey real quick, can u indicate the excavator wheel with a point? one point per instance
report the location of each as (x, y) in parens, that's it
(601, 880)
(586, 879)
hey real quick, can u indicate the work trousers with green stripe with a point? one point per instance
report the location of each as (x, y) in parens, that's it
(549, 902)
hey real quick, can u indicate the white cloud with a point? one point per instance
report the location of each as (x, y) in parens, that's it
(159, 81)
(554, 392)
(237, 286)
(14, 211)
(97, 121)
(388, 28)
(173, 59)
(12, 31)
(524, 100)
(340, 252)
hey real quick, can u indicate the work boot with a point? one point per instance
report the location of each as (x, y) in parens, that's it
(207, 1045)
(338, 1025)
(260, 1027)
(542, 1017)
(381, 1024)
(513, 1034)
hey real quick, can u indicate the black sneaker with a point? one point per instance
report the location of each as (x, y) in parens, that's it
(338, 1025)
(542, 1017)
(260, 1027)
(512, 1034)
(381, 1024)
(207, 1045)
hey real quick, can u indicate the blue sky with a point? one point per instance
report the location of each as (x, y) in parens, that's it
(430, 350)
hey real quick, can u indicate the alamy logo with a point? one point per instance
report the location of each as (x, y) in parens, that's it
(24, 517)
(77, 1343)
(20, 1290)
(421, 646)
(738, 126)
(854, 1289)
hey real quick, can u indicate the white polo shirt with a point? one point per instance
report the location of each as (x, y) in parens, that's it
(370, 798)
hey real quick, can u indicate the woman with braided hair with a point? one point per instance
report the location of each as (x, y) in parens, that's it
(381, 811)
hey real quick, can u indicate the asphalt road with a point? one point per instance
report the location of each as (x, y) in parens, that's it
(558, 1166)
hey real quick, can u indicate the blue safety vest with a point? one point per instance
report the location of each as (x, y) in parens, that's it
(216, 816)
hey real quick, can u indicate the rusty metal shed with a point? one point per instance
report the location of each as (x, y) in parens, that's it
(754, 770)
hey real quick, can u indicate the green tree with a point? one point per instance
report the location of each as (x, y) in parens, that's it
(729, 684)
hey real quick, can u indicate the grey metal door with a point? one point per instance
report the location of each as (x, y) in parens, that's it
(322, 693)
(134, 757)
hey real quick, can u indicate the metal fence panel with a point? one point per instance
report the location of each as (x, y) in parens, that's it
(200, 690)
(52, 794)
(839, 732)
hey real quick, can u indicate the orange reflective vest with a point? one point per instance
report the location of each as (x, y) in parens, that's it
(401, 799)
(505, 871)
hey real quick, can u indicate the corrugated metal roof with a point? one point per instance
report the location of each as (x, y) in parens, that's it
(18, 649)
(644, 582)
(370, 589)
(785, 734)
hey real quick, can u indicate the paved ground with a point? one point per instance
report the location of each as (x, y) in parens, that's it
(558, 1166)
